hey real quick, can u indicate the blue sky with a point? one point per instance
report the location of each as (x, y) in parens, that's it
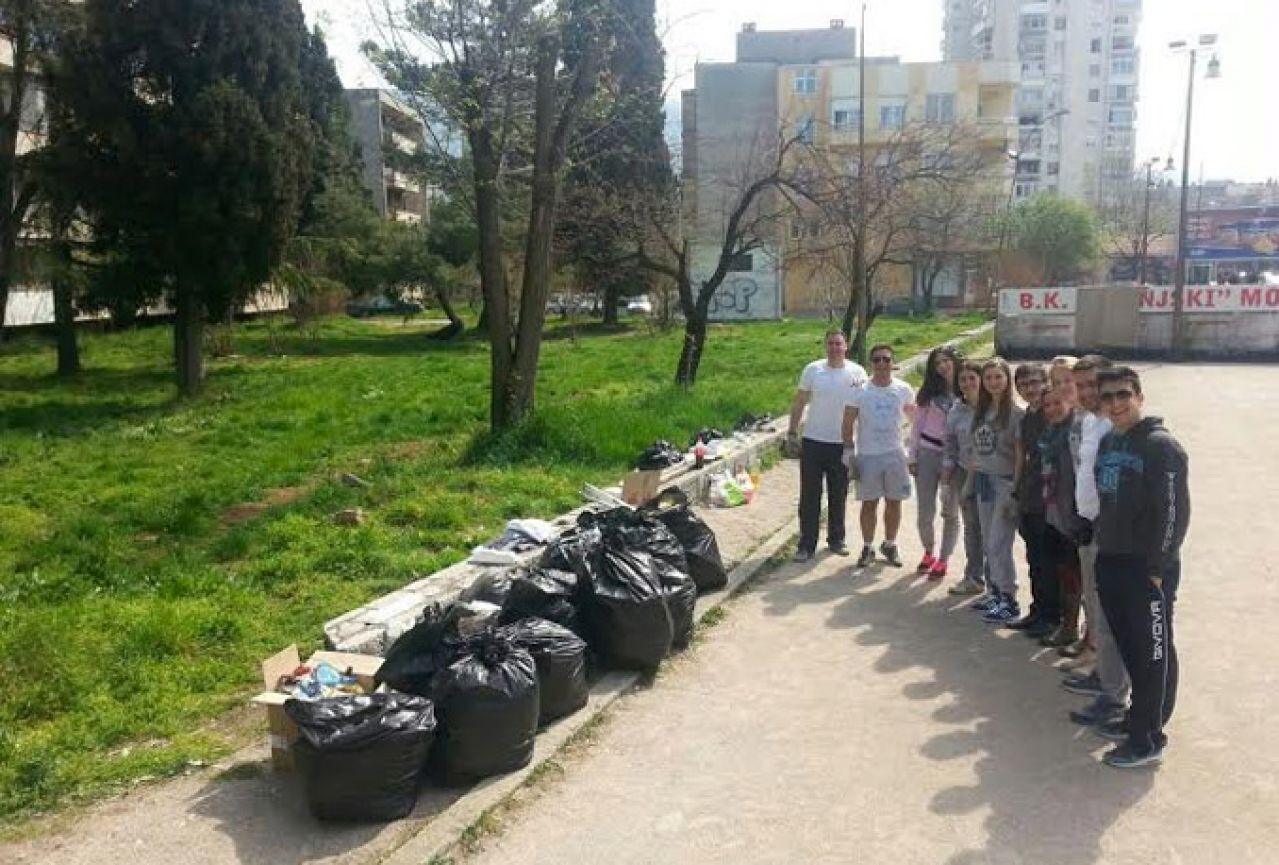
(1236, 124)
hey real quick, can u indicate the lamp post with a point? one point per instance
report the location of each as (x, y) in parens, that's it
(859, 253)
(1206, 40)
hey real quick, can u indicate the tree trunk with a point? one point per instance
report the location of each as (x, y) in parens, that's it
(496, 314)
(690, 356)
(188, 343)
(64, 308)
(612, 298)
(456, 326)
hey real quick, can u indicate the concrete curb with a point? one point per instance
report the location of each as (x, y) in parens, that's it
(438, 838)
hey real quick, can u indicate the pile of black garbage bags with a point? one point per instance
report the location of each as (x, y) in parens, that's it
(469, 685)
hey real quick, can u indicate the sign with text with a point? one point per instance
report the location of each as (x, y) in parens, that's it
(1214, 298)
(1037, 301)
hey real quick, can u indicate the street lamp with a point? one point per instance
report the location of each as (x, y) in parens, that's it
(1206, 41)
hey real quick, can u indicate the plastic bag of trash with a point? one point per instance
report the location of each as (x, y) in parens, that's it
(414, 659)
(701, 549)
(560, 656)
(361, 758)
(569, 551)
(726, 492)
(545, 594)
(627, 616)
(659, 455)
(488, 702)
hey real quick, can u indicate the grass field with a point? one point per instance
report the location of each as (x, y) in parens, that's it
(152, 551)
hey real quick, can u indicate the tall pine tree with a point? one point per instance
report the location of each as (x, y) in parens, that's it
(621, 164)
(198, 147)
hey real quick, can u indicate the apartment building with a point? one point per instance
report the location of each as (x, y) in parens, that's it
(1079, 62)
(808, 83)
(380, 121)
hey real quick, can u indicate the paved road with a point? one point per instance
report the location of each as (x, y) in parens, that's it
(841, 717)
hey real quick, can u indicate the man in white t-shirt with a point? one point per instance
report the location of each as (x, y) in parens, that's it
(878, 412)
(825, 388)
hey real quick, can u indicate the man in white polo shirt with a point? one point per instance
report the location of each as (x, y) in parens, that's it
(825, 387)
(878, 411)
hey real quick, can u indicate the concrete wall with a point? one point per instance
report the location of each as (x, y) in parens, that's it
(366, 129)
(1220, 322)
(796, 46)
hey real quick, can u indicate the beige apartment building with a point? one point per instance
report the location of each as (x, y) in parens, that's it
(809, 80)
(380, 121)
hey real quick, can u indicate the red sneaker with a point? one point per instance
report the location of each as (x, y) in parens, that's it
(938, 569)
(925, 564)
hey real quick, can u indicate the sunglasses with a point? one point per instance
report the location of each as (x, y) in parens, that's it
(1113, 395)
(882, 358)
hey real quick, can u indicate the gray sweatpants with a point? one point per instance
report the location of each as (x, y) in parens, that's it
(998, 513)
(1115, 685)
(928, 483)
(975, 569)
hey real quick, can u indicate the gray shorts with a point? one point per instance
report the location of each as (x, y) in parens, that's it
(882, 476)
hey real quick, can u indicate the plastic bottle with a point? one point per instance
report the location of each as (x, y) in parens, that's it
(699, 453)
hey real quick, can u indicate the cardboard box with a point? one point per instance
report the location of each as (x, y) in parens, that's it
(641, 487)
(282, 732)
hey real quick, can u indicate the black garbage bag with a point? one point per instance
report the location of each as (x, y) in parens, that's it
(490, 588)
(421, 652)
(544, 593)
(488, 702)
(659, 455)
(705, 435)
(701, 550)
(637, 530)
(361, 757)
(627, 618)
(569, 552)
(560, 656)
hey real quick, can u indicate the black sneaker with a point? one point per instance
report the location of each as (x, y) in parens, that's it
(1115, 731)
(802, 556)
(1022, 624)
(1089, 685)
(1100, 711)
(1041, 630)
(867, 558)
(840, 549)
(891, 554)
(1124, 757)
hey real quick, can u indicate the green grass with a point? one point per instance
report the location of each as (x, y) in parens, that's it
(132, 616)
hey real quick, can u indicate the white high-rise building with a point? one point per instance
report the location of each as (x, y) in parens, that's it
(1077, 98)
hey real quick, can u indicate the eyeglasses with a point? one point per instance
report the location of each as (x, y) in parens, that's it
(1113, 395)
(882, 358)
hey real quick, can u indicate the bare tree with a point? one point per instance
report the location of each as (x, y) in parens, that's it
(511, 78)
(771, 184)
(916, 182)
(1133, 218)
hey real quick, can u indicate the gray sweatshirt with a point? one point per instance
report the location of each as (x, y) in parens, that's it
(958, 452)
(993, 444)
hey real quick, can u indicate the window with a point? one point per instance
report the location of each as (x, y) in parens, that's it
(1094, 95)
(1029, 166)
(1120, 115)
(1094, 71)
(1122, 93)
(806, 81)
(892, 116)
(804, 130)
(1054, 168)
(1123, 64)
(1095, 47)
(845, 115)
(1025, 190)
(1059, 23)
(743, 262)
(1121, 43)
(939, 108)
(1121, 20)
(1034, 22)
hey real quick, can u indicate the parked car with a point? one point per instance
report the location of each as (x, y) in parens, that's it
(383, 306)
(639, 305)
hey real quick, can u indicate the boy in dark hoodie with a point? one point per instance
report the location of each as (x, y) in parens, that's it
(1145, 511)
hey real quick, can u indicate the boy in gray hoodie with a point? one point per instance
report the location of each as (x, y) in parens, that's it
(1145, 511)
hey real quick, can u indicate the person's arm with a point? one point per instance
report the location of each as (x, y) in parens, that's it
(850, 422)
(912, 448)
(797, 411)
(1168, 492)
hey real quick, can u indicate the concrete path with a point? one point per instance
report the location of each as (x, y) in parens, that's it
(840, 717)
